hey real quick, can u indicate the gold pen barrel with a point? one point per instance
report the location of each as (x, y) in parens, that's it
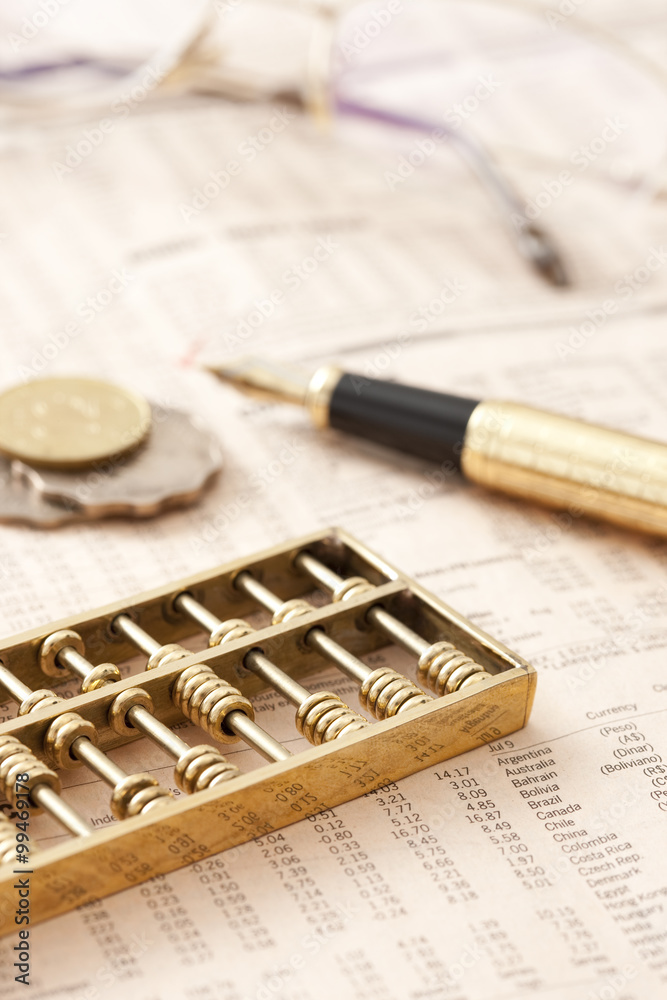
(568, 464)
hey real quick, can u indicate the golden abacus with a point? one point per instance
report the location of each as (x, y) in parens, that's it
(481, 691)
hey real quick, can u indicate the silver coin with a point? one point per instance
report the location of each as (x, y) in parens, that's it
(21, 503)
(175, 465)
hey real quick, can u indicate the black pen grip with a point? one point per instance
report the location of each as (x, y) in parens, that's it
(429, 424)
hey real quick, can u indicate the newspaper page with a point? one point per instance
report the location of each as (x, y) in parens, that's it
(532, 867)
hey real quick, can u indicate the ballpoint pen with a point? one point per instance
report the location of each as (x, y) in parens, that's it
(524, 451)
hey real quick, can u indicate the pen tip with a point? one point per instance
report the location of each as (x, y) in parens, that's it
(264, 379)
(230, 370)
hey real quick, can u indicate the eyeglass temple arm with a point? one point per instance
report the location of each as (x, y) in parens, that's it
(531, 240)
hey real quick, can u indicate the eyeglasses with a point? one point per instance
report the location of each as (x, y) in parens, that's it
(551, 96)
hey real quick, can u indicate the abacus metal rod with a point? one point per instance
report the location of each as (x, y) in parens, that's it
(187, 605)
(382, 691)
(14, 687)
(49, 800)
(256, 737)
(70, 658)
(277, 678)
(136, 634)
(321, 716)
(378, 616)
(138, 716)
(141, 719)
(43, 795)
(255, 661)
(246, 582)
(238, 722)
(317, 638)
(396, 630)
(82, 748)
(350, 664)
(440, 665)
(97, 761)
(320, 573)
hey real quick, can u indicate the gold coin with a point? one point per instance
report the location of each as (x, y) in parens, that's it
(70, 423)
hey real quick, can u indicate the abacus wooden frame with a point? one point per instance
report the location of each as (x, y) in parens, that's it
(275, 795)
